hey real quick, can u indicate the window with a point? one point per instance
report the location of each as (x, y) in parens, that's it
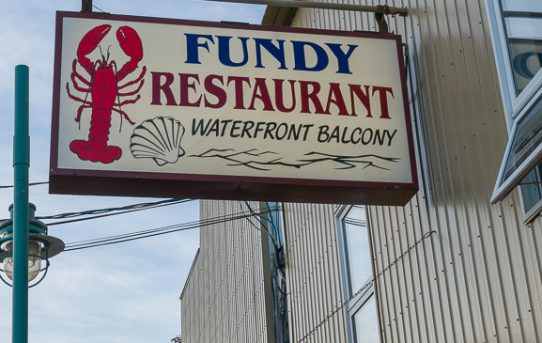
(360, 309)
(522, 21)
(517, 38)
(366, 321)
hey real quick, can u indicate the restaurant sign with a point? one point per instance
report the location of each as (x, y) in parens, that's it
(163, 107)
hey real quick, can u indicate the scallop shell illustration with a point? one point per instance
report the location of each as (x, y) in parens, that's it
(159, 139)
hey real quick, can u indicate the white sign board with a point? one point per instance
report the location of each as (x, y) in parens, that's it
(229, 111)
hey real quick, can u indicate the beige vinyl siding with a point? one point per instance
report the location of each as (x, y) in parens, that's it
(478, 278)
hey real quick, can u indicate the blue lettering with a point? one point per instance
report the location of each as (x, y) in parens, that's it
(192, 45)
(224, 51)
(307, 55)
(342, 57)
(299, 56)
(276, 51)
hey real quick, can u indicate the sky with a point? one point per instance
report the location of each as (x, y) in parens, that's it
(119, 293)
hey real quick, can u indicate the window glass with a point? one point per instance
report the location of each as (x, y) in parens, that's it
(357, 249)
(522, 5)
(359, 257)
(356, 214)
(366, 322)
(531, 192)
(523, 25)
(526, 138)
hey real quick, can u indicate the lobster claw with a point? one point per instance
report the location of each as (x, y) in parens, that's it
(130, 43)
(88, 43)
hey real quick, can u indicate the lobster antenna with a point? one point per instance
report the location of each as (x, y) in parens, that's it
(101, 52)
(114, 65)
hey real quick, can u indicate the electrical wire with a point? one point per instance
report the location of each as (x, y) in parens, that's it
(103, 212)
(30, 184)
(138, 206)
(264, 227)
(157, 231)
(111, 211)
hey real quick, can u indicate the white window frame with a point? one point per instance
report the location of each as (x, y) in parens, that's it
(515, 106)
(353, 304)
(513, 103)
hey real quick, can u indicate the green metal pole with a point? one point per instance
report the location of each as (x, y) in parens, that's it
(21, 164)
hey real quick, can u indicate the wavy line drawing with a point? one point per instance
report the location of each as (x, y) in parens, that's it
(350, 161)
(226, 155)
(236, 158)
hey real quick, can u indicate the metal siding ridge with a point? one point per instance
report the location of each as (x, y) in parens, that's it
(419, 283)
(526, 318)
(387, 282)
(311, 264)
(293, 266)
(290, 273)
(501, 249)
(407, 289)
(400, 270)
(442, 288)
(448, 219)
(335, 328)
(317, 277)
(536, 232)
(382, 276)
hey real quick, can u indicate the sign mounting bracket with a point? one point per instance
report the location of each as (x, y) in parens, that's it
(384, 9)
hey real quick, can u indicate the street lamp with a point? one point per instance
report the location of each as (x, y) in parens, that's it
(41, 247)
(24, 243)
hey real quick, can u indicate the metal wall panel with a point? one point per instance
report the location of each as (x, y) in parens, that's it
(450, 267)
(223, 299)
(313, 283)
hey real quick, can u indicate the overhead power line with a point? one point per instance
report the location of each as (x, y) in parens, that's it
(159, 231)
(103, 212)
(138, 206)
(112, 211)
(30, 184)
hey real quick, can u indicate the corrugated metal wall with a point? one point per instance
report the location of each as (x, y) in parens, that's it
(313, 283)
(223, 299)
(478, 277)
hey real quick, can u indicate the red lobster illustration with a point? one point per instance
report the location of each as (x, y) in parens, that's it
(105, 90)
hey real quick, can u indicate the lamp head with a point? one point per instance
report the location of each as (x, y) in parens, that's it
(40, 248)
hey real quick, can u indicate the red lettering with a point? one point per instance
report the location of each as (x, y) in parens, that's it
(262, 93)
(335, 96)
(284, 96)
(382, 93)
(355, 90)
(311, 95)
(239, 94)
(185, 85)
(215, 90)
(279, 95)
(158, 88)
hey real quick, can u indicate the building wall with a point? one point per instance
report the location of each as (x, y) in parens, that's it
(449, 267)
(223, 299)
(313, 282)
